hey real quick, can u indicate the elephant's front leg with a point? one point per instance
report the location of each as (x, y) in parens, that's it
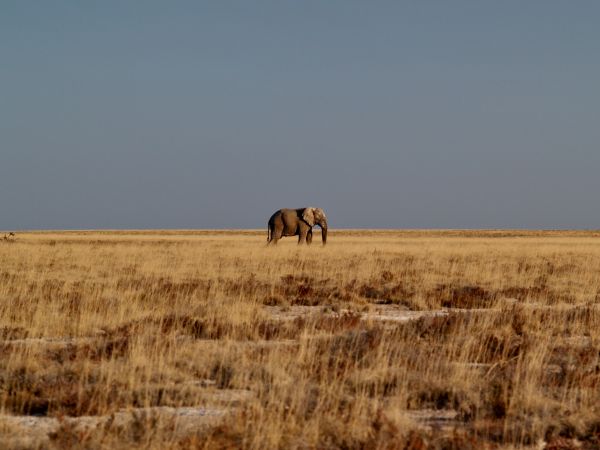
(309, 237)
(302, 235)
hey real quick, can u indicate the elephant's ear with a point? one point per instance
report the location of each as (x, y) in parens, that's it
(308, 216)
(319, 215)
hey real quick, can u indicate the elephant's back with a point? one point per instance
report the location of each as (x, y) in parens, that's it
(290, 214)
(285, 215)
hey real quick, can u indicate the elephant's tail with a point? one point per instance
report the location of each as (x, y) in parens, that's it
(268, 233)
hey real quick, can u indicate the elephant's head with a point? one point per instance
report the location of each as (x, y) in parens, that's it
(316, 216)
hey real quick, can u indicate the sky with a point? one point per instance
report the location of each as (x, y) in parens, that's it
(387, 114)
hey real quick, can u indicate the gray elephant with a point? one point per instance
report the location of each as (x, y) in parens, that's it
(296, 222)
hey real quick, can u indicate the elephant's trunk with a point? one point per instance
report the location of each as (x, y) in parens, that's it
(324, 232)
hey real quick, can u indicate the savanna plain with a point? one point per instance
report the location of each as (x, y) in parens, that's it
(381, 339)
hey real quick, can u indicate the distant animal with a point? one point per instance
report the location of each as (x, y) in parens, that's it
(9, 237)
(296, 222)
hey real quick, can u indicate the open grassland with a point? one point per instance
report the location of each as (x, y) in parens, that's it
(382, 339)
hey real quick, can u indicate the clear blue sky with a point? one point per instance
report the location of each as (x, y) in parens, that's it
(452, 114)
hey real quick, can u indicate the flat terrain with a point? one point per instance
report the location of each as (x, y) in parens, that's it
(382, 339)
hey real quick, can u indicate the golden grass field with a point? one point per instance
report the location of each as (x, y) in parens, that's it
(381, 339)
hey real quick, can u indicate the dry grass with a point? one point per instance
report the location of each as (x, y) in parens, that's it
(93, 323)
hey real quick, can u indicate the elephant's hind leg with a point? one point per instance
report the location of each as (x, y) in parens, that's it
(275, 236)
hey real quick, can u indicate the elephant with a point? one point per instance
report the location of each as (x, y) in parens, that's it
(296, 222)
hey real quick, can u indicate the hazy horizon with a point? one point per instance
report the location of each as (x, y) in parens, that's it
(434, 115)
